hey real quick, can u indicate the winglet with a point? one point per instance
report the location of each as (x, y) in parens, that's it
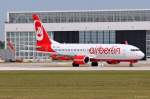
(126, 42)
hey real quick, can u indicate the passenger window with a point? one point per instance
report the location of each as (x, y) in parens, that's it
(135, 50)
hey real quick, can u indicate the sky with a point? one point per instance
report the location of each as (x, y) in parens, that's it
(50, 5)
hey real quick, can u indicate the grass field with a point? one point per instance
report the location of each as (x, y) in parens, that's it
(75, 85)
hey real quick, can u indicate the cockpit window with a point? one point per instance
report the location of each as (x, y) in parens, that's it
(135, 50)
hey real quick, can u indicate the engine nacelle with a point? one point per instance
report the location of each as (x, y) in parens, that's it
(63, 58)
(80, 59)
(113, 62)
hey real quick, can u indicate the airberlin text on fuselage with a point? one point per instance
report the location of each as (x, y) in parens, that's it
(104, 50)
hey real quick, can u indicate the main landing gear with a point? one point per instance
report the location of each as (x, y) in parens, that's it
(131, 64)
(94, 64)
(75, 65)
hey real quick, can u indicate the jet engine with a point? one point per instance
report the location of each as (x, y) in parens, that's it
(80, 59)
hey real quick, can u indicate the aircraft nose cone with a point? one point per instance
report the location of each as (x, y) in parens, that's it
(142, 55)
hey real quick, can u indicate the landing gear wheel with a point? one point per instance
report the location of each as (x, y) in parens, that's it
(94, 64)
(131, 64)
(75, 65)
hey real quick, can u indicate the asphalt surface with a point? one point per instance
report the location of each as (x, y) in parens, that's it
(58, 66)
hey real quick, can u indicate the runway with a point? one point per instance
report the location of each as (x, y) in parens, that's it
(71, 68)
(66, 67)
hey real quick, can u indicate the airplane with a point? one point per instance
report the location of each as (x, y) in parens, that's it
(84, 53)
(10, 45)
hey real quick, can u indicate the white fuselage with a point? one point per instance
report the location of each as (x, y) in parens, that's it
(100, 51)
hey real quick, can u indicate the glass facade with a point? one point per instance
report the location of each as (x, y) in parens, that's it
(148, 44)
(83, 16)
(24, 44)
(101, 37)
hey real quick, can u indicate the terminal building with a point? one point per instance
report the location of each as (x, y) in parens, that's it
(85, 26)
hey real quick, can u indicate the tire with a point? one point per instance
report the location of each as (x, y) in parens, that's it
(94, 64)
(75, 65)
(131, 65)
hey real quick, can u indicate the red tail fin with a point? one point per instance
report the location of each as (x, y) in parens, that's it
(10, 45)
(43, 42)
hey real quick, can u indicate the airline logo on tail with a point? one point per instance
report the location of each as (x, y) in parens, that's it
(39, 30)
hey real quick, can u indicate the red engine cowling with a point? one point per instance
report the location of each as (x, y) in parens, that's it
(56, 57)
(80, 59)
(113, 62)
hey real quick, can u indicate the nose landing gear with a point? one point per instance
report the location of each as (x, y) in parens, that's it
(131, 64)
(94, 64)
